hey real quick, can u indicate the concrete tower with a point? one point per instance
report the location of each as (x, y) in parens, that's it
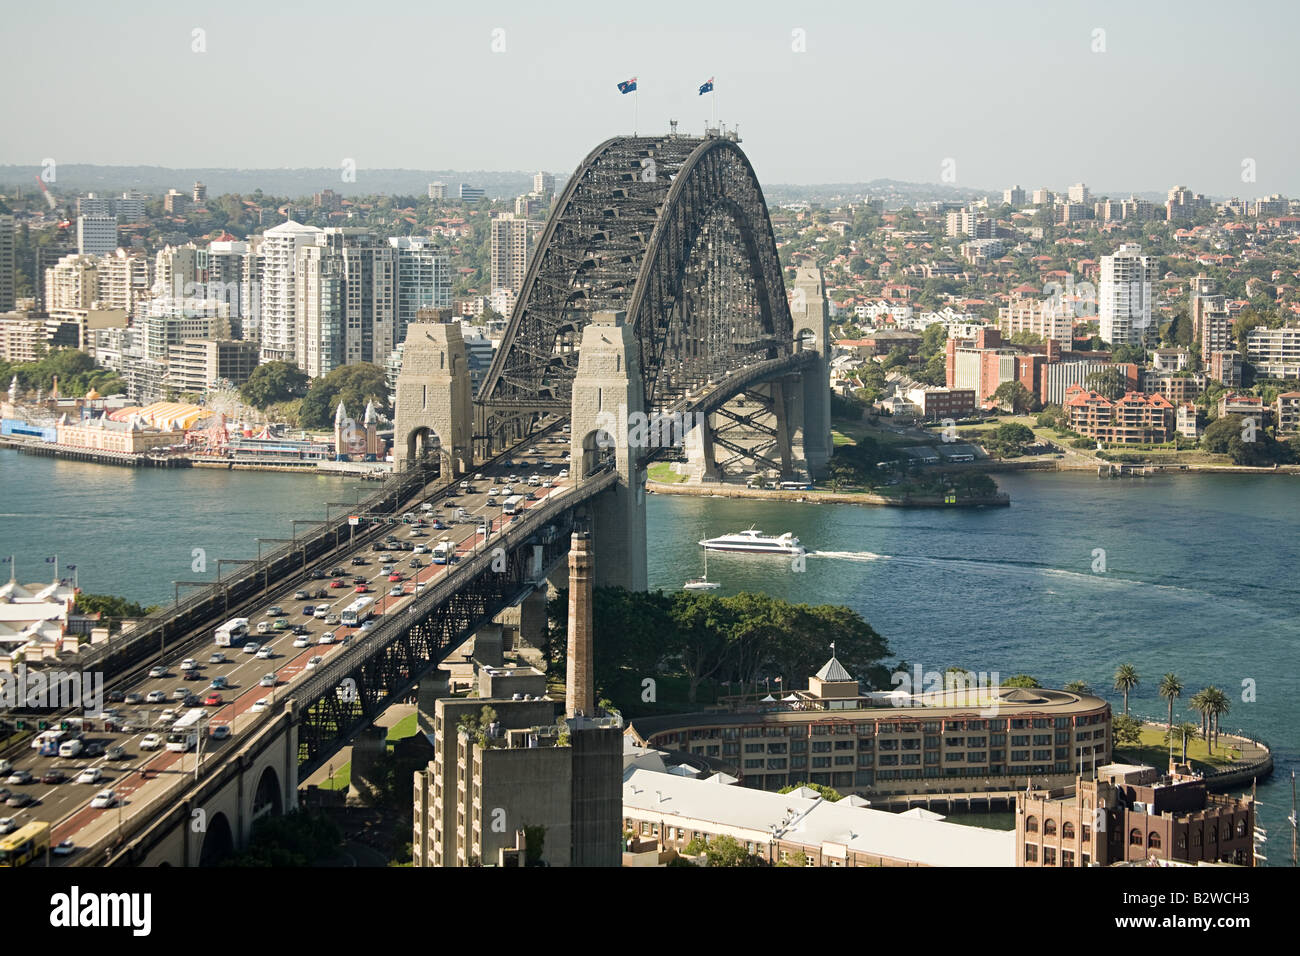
(580, 681)
(608, 395)
(433, 398)
(812, 333)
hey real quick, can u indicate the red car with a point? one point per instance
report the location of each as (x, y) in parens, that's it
(212, 700)
(336, 584)
(363, 589)
(394, 577)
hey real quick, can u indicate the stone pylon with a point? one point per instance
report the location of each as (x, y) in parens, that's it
(812, 333)
(434, 400)
(608, 406)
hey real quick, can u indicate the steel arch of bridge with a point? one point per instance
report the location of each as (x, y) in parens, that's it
(672, 230)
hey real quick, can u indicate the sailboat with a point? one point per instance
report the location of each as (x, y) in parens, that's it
(702, 583)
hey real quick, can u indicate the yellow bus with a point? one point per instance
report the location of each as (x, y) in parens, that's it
(24, 844)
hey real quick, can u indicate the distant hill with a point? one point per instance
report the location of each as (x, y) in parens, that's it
(156, 180)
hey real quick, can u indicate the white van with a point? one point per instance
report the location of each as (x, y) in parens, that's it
(426, 507)
(264, 627)
(70, 748)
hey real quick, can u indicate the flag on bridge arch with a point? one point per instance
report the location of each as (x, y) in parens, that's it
(706, 87)
(627, 86)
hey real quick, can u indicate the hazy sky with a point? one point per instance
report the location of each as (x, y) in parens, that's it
(1011, 92)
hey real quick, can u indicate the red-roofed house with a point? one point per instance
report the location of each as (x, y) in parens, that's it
(1135, 419)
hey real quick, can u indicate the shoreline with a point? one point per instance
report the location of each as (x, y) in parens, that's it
(1000, 500)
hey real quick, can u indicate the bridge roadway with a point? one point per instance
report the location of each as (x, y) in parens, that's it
(147, 778)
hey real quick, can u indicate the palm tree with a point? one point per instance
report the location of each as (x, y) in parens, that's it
(1171, 688)
(1187, 731)
(1200, 703)
(1078, 687)
(1219, 704)
(1126, 679)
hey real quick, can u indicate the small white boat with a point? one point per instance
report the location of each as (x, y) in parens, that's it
(702, 583)
(753, 541)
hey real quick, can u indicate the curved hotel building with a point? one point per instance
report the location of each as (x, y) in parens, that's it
(959, 740)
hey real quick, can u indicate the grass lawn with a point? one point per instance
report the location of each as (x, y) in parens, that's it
(408, 726)
(663, 472)
(1154, 751)
(341, 780)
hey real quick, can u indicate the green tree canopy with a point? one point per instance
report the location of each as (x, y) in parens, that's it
(353, 385)
(274, 382)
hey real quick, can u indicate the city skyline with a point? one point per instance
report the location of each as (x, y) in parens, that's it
(1093, 104)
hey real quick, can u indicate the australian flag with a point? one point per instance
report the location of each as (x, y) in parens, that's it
(627, 86)
(706, 87)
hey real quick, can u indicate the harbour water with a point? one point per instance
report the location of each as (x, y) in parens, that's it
(1195, 575)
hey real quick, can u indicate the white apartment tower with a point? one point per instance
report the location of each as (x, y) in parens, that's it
(96, 235)
(1124, 297)
(510, 250)
(423, 279)
(345, 301)
(279, 253)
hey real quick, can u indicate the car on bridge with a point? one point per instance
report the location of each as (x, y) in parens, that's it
(314, 662)
(212, 700)
(251, 648)
(54, 777)
(327, 637)
(217, 658)
(180, 693)
(90, 775)
(302, 640)
(193, 700)
(259, 705)
(322, 593)
(156, 672)
(280, 625)
(336, 583)
(362, 589)
(394, 577)
(151, 742)
(104, 800)
(155, 697)
(66, 848)
(19, 777)
(275, 611)
(135, 697)
(301, 595)
(267, 680)
(219, 683)
(265, 652)
(7, 825)
(322, 612)
(19, 800)
(309, 609)
(396, 592)
(219, 731)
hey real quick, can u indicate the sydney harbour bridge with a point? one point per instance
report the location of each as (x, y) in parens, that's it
(654, 293)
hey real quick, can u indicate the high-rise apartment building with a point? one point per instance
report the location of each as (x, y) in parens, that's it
(544, 186)
(72, 283)
(511, 242)
(7, 263)
(437, 190)
(276, 325)
(199, 193)
(96, 235)
(1124, 295)
(345, 301)
(123, 281)
(1209, 317)
(93, 205)
(166, 322)
(964, 222)
(1015, 196)
(423, 279)
(470, 193)
(130, 207)
(1078, 193)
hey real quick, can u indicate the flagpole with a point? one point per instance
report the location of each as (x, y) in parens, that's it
(636, 107)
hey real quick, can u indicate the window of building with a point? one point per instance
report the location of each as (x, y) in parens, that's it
(821, 746)
(1049, 827)
(1031, 824)
(1031, 853)
(1049, 856)
(1153, 840)
(1067, 858)
(1067, 830)
(821, 762)
(1135, 837)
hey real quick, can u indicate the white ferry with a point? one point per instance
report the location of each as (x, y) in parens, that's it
(752, 541)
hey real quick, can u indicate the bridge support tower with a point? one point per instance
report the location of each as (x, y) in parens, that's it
(434, 399)
(608, 405)
(812, 333)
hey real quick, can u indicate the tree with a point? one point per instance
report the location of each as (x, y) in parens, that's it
(1200, 703)
(1218, 705)
(934, 340)
(1171, 688)
(1185, 731)
(112, 607)
(1015, 396)
(1013, 433)
(1126, 679)
(828, 794)
(1108, 382)
(1078, 687)
(1021, 680)
(353, 385)
(1126, 731)
(274, 382)
(725, 850)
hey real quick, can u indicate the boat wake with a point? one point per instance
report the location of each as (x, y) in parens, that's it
(849, 555)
